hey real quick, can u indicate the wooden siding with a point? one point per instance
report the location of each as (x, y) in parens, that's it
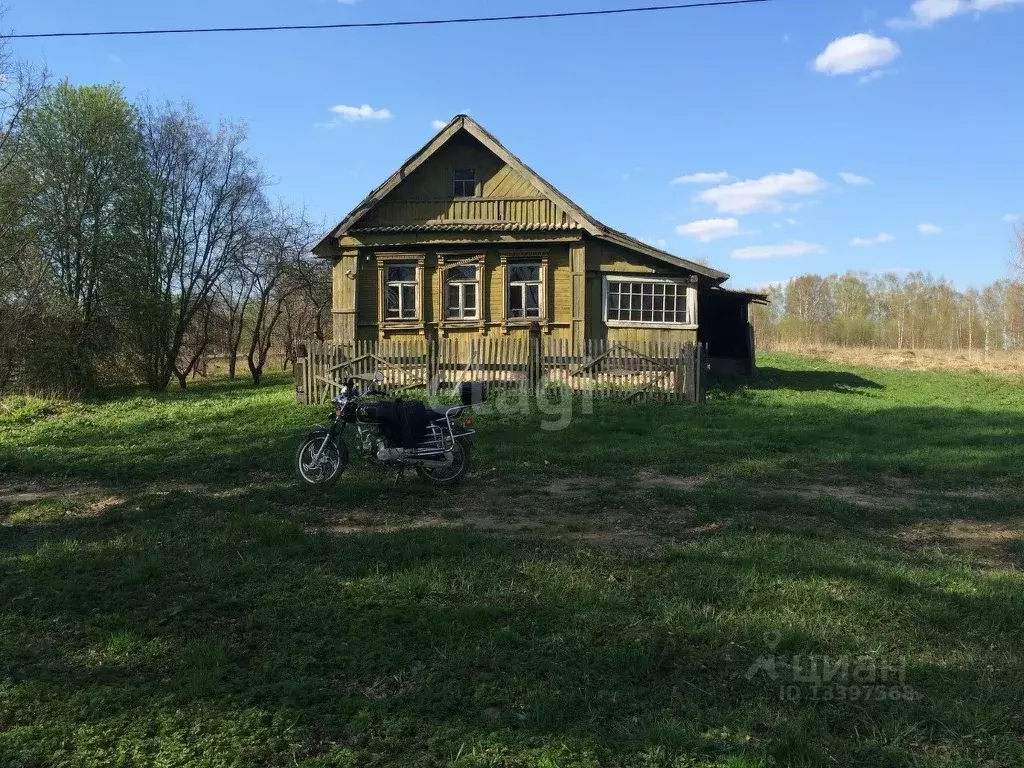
(366, 298)
(569, 315)
(534, 212)
(653, 335)
(603, 256)
(503, 194)
(434, 180)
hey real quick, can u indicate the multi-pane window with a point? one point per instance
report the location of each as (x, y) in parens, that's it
(465, 182)
(463, 293)
(400, 292)
(647, 302)
(524, 290)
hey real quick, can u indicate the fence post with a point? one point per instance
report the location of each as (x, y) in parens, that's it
(535, 367)
(689, 367)
(681, 375)
(701, 394)
(433, 369)
(299, 371)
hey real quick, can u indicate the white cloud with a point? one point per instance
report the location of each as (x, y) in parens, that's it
(659, 242)
(781, 251)
(868, 242)
(703, 178)
(929, 229)
(356, 114)
(856, 53)
(764, 194)
(925, 13)
(438, 124)
(1012, 217)
(710, 229)
(853, 178)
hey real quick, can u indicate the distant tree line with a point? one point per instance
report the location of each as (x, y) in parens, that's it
(137, 242)
(894, 311)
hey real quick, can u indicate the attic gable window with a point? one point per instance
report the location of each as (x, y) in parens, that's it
(465, 182)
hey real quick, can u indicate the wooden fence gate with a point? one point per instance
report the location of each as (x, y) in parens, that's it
(644, 370)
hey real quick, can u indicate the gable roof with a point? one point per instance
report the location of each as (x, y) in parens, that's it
(583, 220)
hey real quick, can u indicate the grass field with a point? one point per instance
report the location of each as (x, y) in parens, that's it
(820, 569)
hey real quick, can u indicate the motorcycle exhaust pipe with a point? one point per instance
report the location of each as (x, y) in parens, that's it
(436, 464)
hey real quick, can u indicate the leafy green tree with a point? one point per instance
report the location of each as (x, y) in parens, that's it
(81, 150)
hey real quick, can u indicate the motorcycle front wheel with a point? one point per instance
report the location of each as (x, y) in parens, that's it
(448, 476)
(320, 464)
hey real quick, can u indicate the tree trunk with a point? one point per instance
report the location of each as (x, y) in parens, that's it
(256, 371)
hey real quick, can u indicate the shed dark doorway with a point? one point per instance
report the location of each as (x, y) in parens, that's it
(725, 327)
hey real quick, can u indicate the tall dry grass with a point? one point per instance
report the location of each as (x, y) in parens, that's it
(916, 359)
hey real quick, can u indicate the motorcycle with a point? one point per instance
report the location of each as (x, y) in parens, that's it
(397, 434)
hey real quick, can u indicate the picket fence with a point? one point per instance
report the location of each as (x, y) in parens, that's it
(631, 371)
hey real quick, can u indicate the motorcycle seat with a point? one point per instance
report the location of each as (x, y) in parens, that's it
(440, 414)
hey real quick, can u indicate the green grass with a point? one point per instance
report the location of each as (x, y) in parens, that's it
(590, 597)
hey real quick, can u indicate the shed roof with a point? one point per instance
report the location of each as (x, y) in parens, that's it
(752, 296)
(583, 221)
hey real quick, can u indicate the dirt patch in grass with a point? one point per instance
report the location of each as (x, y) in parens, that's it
(21, 493)
(653, 479)
(562, 513)
(877, 498)
(575, 485)
(602, 532)
(998, 545)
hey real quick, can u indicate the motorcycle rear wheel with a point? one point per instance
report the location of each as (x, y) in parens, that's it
(328, 468)
(452, 475)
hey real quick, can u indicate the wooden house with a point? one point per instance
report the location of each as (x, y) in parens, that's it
(465, 240)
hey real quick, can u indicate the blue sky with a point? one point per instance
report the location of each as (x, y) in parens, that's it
(920, 105)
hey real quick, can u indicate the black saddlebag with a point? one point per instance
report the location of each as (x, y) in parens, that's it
(404, 422)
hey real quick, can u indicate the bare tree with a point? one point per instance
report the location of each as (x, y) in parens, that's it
(307, 310)
(272, 266)
(20, 88)
(195, 343)
(234, 292)
(202, 210)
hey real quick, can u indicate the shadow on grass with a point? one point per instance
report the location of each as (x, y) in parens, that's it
(769, 378)
(182, 622)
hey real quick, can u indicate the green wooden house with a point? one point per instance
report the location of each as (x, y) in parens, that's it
(466, 240)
